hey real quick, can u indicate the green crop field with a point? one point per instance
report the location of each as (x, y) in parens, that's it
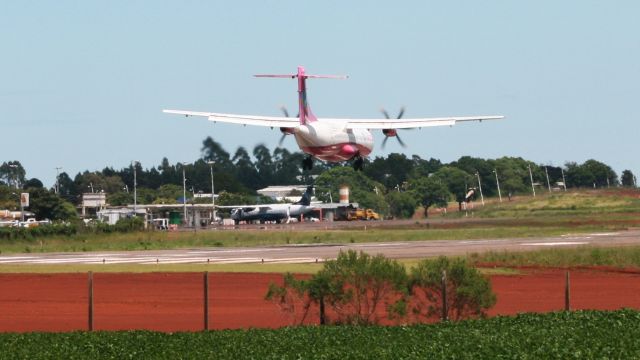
(568, 335)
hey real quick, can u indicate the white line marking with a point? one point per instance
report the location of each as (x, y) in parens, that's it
(560, 243)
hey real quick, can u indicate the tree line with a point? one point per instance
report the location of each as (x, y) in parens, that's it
(395, 184)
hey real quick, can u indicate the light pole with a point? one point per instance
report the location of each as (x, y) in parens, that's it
(547, 173)
(330, 198)
(213, 196)
(58, 179)
(184, 192)
(135, 188)
(531, 178)
(480, 187)
(564, 182)
(498, 184)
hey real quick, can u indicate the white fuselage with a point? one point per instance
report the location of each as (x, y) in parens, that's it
(271, 212)
(331, 141)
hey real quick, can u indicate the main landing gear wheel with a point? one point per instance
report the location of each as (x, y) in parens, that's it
(358, 164)
(307, 163)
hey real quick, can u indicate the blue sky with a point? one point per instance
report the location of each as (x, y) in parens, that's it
(82, 84)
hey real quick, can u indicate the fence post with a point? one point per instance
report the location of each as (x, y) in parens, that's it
(206, 300)
(90, 322)
(445, 310)
(567, 294)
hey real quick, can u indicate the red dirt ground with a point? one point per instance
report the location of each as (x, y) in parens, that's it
(174, 301)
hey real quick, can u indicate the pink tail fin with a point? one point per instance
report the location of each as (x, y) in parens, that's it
(306, 115)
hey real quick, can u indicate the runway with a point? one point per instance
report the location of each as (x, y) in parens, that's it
(319, 252)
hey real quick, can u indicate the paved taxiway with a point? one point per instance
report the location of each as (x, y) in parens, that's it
(320, 252)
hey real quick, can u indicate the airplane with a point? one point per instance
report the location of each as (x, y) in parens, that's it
(331, 140)
(271, 212)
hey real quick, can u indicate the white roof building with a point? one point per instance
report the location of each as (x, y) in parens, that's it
(282, 192)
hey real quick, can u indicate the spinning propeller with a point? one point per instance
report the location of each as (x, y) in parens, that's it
(392, 132)
(285, 131)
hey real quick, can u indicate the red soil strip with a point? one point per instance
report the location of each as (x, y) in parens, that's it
(174, 301)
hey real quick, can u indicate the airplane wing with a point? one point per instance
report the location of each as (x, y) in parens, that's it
(245, 207)
(269, 121)
(409, 123)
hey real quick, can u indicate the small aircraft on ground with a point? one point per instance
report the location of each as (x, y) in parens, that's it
(332, 140)
(272, 212)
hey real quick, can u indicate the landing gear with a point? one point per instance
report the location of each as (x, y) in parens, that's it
(307, 163)
(358, 164)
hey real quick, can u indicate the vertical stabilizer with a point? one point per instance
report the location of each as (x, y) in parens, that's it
(306, 115)
(306, 197)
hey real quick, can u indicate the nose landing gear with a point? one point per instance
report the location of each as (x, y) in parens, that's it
(358, 163)
(307, 163)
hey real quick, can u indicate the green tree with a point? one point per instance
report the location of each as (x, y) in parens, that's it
(353, 286)
(591, 173)
(628, 179)
(264, 165)
(9, 198)
(12, 173)
(469, 293)
(366, 192)
(422, 168)
(47, 205)
(429, 191)
(67, 188)
(401, 204)
(213, 151)
(120, 199)
(483, 167)
(391, 171)
(33, 183)
(306, 293)
(457, 182)
(168, 194)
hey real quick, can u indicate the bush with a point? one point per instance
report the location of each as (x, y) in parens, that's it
(15, 233)
(353, 286)
(469, 293)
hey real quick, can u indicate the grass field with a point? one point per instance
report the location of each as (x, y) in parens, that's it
(310, 268)
(568, 335)
(489, 262)
(237, 238)
(545, 215)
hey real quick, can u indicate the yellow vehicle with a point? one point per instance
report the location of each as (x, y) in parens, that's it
(362, 214)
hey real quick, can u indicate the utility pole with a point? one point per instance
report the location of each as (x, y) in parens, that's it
(531, 177)
(58, 179)
(548, 183)
(480, 187)
(498, 184)
(213, 196)
(564, 182)
(135, 188)
(184, 192)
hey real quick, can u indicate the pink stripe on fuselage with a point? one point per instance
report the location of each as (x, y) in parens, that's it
(337, 152)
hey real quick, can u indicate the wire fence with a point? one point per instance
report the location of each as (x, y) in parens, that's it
(204, 301)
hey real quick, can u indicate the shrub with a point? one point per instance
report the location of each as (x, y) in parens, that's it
(353, 286)
(469, 293)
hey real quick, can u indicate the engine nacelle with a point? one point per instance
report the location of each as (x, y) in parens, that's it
(286, 130)
(389, 132)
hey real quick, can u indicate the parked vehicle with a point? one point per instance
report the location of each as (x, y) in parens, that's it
(362, 214)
